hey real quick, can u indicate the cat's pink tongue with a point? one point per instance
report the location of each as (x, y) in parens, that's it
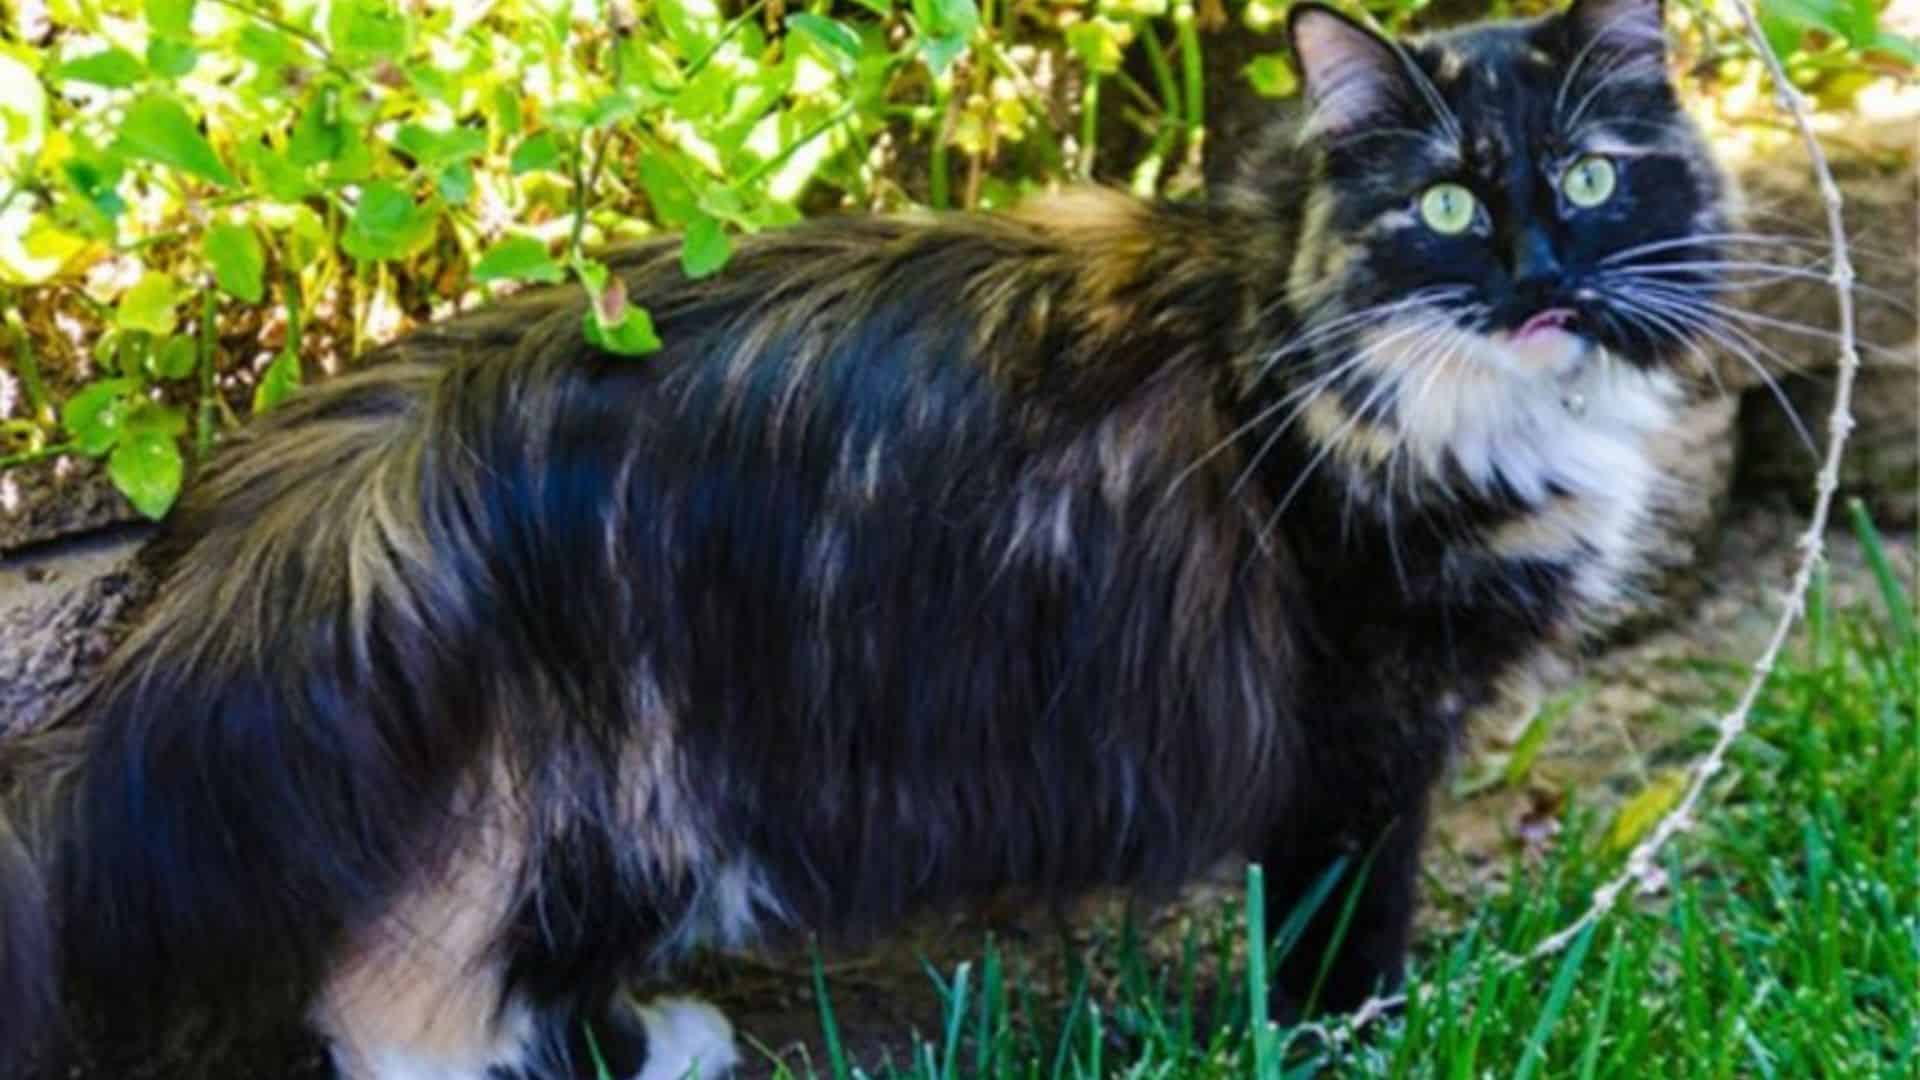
(1558, 318)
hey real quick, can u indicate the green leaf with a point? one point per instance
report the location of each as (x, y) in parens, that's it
(96, 175)
(1534, 739)
(945, 27)
(281, 379)
(153, 417)
(1639, 814)
(633, 335)
(96, 414)
(365, 32)
(171, 58)
(842, 45)
(674, 201)
(175, 358)
(147, 469)
(158, 129)
(955, 17)
(109, 67)
(318, 134)
(387, 223)
(1899, 46)
(506, 109)
(941, 51)
(705, 248)
(610, 322)
(1272, 76)
(266, 48)
(541, 151)
(271, 172)
(517, 258)
(456, 183)
(173, 18)
(149, 304)
(435, 148)
(610, 109)
(238, 263)
(692, 25)
(1097, 43)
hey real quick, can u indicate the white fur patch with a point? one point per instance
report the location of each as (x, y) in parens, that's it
(1550, 414)
(727, 909)
(687, 1039)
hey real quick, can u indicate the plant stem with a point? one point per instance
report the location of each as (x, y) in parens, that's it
(1089, 124)
(726, 33)
(312, 40)
(25, 456)
(36, 390)
(1195, 77)
(204, 422)
(938, 179)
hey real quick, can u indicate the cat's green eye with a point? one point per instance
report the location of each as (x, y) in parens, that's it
(1447, 208)
(1589, 181)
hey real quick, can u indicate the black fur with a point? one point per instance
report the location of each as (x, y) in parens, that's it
(930, 559)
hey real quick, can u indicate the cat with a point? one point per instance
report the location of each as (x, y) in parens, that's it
(933, 557)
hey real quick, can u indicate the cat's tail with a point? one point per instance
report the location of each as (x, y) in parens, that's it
(274, 749)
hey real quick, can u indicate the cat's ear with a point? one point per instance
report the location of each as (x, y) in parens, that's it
(1351, 73)
(1631, 27)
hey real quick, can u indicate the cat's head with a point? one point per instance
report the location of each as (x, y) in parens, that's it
(1494, 210)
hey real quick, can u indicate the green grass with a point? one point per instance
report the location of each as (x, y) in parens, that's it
(1784, 943)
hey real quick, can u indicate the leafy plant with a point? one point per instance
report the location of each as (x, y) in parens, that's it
(205, 202)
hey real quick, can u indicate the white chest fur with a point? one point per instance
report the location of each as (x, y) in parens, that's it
(1556, 422)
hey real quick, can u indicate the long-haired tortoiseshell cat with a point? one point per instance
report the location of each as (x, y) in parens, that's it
(934, 557)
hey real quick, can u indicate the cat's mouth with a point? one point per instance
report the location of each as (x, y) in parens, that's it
(1558, 318)
(1549, 340)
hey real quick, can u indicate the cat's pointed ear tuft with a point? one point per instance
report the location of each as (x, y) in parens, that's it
(1351, 73)
(1624, 26)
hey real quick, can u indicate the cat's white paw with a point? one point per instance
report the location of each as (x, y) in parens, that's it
(687, 1039)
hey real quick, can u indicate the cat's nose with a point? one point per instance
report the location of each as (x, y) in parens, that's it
(1534, 264)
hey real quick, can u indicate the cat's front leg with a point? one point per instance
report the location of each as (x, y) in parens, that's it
(1379, 880)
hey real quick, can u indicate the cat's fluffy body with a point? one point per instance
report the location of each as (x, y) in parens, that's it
(932, 558)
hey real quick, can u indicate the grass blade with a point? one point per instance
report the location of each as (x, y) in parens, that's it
(1536, 1050)
(1899, 604)
(829, 1028)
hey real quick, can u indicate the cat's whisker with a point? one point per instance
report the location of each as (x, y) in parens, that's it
(1720, 332)
(1318, 386)
(1636, 67)
(1655, 324)
(1773, 274)
(1683, 303)
(1313, 386)
(1575, 136)
(1790, 326)
(1709, 239)
(1324, 332)
(1364, 413)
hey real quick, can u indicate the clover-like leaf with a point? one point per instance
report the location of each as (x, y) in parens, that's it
(147, 468)
(95, 415)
